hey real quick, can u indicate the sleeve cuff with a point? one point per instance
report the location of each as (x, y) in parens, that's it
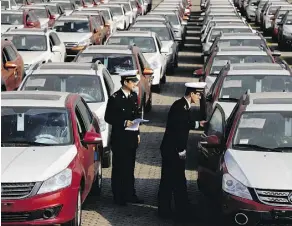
(125, 123)
(197, 125)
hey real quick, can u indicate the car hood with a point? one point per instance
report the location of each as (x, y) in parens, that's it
(227, 107)
(31, 57)
(150, 56)
(73, 36)
(259, 167)
(44, 22)
(287, 28)
(98, 108)
(4, 27)
(17, 165)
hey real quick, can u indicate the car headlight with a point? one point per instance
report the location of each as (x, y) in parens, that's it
(59, 181)
(102, 124)
(154, 65)
(287, 33)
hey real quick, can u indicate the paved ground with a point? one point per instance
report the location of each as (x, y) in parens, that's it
(101, 211)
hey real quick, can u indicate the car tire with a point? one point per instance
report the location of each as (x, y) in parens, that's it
(156, 88)
(78, 213)
(107, 160)
(97, 184)
(148, 106)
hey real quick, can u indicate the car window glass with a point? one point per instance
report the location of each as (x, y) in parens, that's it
(80, 124)
(55, 39)
(141, 62)
(108, 82)
(88, 111)
(216, 124)
(158, 44)
(84, 115)
(11, 53)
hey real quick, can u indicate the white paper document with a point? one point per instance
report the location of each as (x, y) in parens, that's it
(136, 124)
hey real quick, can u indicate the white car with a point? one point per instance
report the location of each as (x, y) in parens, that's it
(9, 4)
(167, 38)
(68, 6)
(128, 8)
(119, 15)
(151, 47)
(37, 46)
(92, 81)
(251, 10)
(107, 15)
(11, 19)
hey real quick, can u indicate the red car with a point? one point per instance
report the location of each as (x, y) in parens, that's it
(51, 150)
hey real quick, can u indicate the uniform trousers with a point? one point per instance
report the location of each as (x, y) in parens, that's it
(173, 181)
(123, 166)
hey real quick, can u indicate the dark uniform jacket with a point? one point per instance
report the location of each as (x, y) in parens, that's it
(119, 109)
(177, 128)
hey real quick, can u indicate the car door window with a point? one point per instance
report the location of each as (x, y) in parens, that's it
(215, 126)
(55, 39)
(87, 111)
(80, 124)
(145, 62)
(11, 54)
(85, 115)
(141, 62)
(158, 44)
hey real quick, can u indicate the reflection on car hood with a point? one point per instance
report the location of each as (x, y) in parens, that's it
(150, 56)
(31, 57)
(16, 162)
(73, 36)
(266, 170)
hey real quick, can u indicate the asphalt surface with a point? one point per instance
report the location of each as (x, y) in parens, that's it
(101, 210)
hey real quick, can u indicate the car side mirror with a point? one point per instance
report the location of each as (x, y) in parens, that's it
(56, 49)
(212, 141)
(148, 71)
(10, 65)
(92, 138)
(198, 72)
(276, 53)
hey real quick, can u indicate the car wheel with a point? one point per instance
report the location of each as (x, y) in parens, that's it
(97, 184)
(78, 213)
(107, 160)
(148, 106)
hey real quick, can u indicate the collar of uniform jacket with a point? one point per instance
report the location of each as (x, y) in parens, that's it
(189, 103)
(125, 93)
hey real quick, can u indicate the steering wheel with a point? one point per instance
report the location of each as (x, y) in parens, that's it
(87, 97)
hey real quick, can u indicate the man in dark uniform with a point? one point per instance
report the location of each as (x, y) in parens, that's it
(173, 152)
(122, 109)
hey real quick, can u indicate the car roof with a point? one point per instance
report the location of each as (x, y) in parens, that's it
(46, 3)
(11, 12)
(33, 7)
(269, 101)
(109, 5)
(47, 99)
(121, 49)
(241, 50)
(150, 24)
(220, 26)
(256, 66)
(133, 33)
(29, 31)
(239, 36)
(66, 67)
(160, 13)
(76, 17)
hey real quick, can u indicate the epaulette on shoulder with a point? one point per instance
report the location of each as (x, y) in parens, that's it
(114, 95)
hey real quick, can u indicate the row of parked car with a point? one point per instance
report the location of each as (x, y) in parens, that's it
(56, 116)
(245, 154)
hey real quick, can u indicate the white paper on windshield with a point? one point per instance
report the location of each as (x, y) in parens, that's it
(59, 23)
(38, 82)
(135, 126)
(23, 41)
(243, 141)
(20, 122)
(288, 127)
(85, 59)
(257, 123)
(225, 96)
(232, 84)
(114, 41)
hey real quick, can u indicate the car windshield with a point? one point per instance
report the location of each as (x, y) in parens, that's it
(72, 26)
(24, 42)
(89, 87)
(66, 5)
(240, 42)
(162, 32)
(5, 4)
(146, 44)
(244, 59)
(269, 130)
(11, 19)
(116, 11)
(115, 63)
(19, 2)
(234, 86)
(216, 32)
(35, 126)
(127, 7)
(41, 13)
(288, 20)
(173, 19)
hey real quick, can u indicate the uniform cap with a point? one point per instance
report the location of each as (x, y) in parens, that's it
(130, 75)
(196, 86)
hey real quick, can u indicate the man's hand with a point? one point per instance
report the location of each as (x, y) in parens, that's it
(129, 123)
(182, 155)
(139, 139)
(202, 123)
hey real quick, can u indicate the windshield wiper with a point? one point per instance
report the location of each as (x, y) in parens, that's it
(252, 146)
(229, 99)
(25, 143)
(282, 149)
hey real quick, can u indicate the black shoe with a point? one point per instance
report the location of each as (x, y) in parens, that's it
(135, 199)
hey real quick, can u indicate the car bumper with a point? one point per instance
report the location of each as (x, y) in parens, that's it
(156, 76)
(30, 211)
(254, 212)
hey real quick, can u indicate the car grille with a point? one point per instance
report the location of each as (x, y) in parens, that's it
(70, 44)
(275, 197)
(16, 190)
(15, 217)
